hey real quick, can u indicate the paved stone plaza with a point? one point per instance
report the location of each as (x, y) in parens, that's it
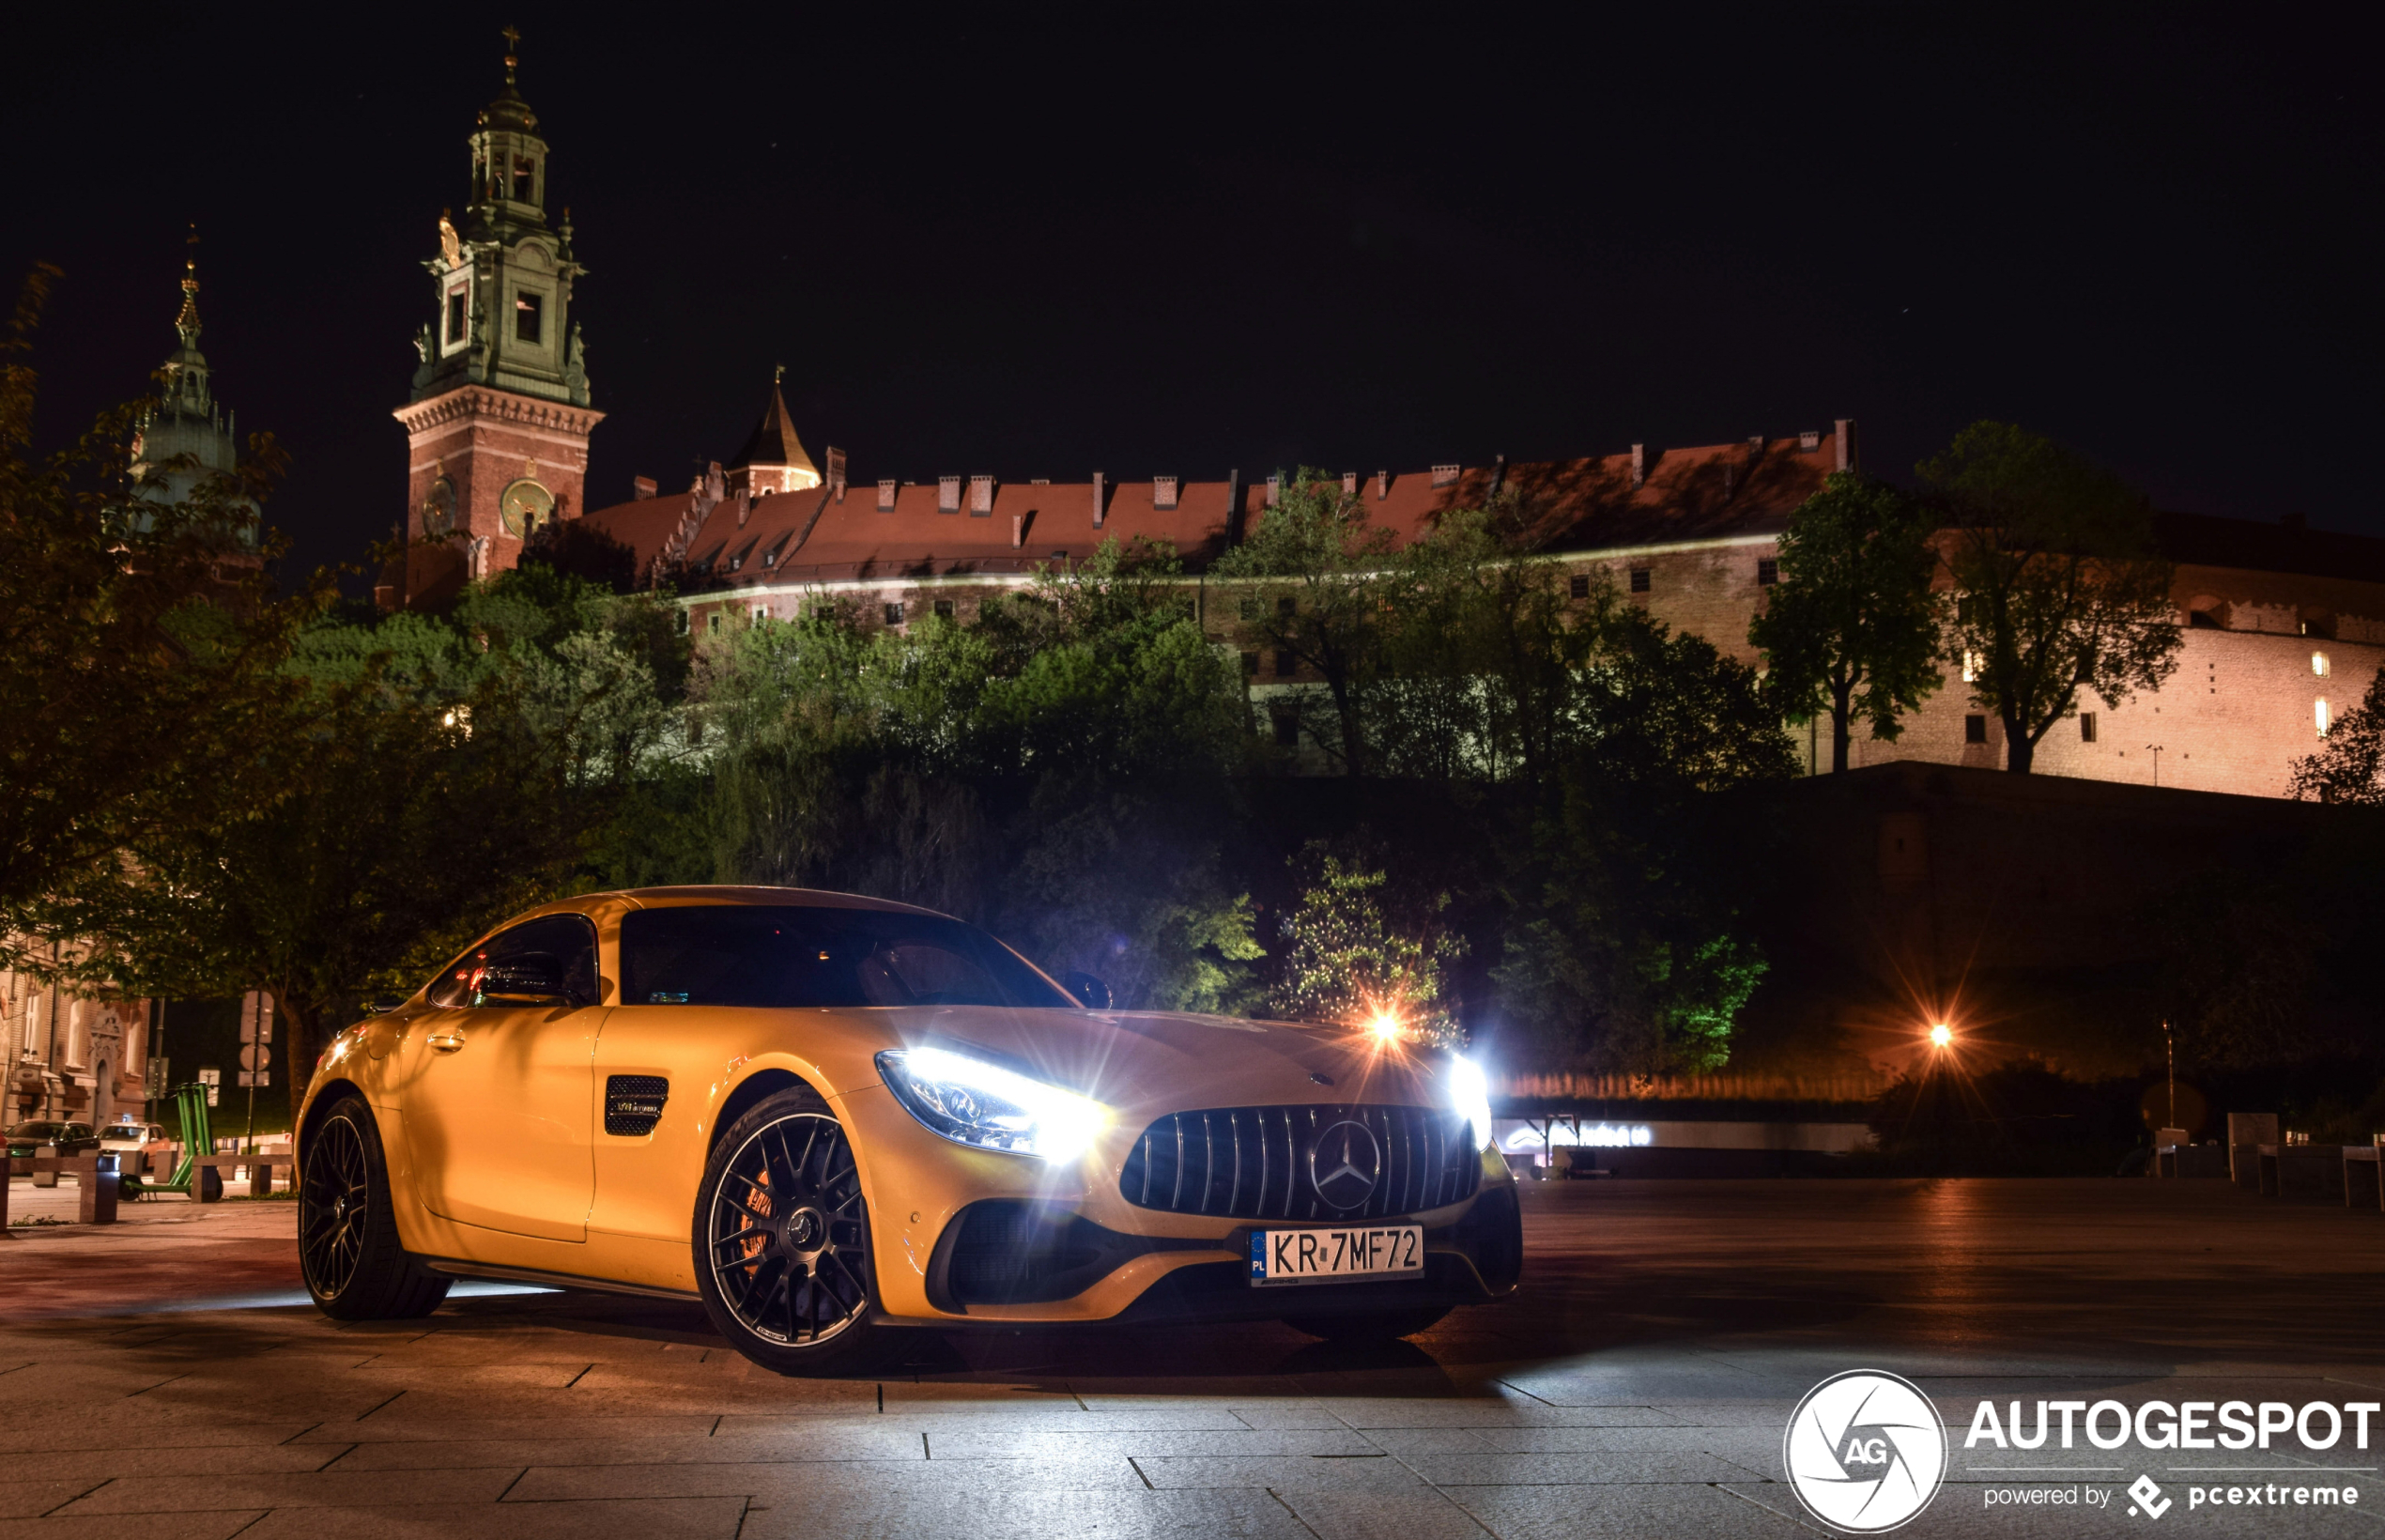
(164, 1379)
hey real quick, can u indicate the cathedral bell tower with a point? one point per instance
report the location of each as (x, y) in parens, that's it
(497, 425)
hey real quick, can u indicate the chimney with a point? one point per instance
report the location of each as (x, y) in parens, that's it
(1382, 486)
(1274, 489)
(642, 487)
(1349, 484)
(744, 508)
(981, 497)
(836, 471)
(947, 494)
(1020, 525)
(1498, 473)
(1808, 441)
(885, 496)
(1638, 465)
(1233, 520)
(1445, 475)
(1101, 498)
(1847, 457)
(1164, 492)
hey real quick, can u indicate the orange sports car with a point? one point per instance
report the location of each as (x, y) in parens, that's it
(830, 1119)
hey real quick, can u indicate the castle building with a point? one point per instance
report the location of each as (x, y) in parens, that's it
(2284, 626)
(497, 423)
(185, 436)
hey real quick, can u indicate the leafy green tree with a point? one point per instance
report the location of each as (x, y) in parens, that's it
(2350, 766)
(1345, 961)
(1319, 579)
(140, 653)
(2059, 586)
(1852, 627)
(412, 823)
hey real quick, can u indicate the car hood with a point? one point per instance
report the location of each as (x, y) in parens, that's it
(1144, 1063)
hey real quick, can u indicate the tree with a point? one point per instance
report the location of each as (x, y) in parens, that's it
(1341, 574)
(1852, 626)
(2350, 766)
(1345, 961)
(2057, 583)
(140, 648)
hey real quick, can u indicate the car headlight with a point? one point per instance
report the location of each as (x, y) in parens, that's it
(1470, 1093)
(988, 1107)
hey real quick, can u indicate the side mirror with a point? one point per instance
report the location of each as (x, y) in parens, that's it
(1092, 992)
(383, 1004)
(529, 981)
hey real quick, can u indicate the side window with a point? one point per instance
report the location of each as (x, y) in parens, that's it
(561, 947)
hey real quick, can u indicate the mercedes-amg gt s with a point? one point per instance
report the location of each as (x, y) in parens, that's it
(827, 1118)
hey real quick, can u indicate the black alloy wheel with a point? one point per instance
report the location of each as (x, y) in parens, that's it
(782, 1240)
(348, 1248)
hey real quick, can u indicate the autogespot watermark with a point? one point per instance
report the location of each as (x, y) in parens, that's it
(1867, 1451)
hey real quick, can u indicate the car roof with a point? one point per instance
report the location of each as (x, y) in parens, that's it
(808, 898)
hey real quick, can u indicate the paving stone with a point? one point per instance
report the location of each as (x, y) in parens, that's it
(1282, 1473)
(201, 1526)
(1580, 1470)
(1382, 1515)
(841, 1442)
(320, 1489)
(1133, 1514)
(823, 1480)
(699, 1519)
(1656, 1513)
(32, 1498)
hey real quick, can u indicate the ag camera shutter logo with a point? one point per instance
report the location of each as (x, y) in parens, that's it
(1866, 1450)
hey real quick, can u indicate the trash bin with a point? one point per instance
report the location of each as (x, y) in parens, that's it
(41, 1178)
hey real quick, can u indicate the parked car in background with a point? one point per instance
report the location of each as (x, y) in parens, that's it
(128, 1135)
(25, 1139)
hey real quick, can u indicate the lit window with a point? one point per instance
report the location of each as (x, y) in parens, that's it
(524, 178)
(2318, 714)
(1970, 668)
(1975, 730)
(525, 309)
(2318, 664)
(2086, 727)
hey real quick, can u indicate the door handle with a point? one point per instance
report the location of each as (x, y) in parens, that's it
(445, 1043)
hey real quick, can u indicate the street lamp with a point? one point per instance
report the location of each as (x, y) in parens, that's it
(1941, 1035)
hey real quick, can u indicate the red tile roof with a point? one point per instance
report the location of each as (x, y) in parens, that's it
(1706, 493)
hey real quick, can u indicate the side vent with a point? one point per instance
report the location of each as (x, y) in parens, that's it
(634, 1104)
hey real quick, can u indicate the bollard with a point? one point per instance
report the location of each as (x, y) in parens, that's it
(97, 1176)
(41, 1178)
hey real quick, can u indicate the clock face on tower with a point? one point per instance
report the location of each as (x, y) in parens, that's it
(524, 507)
(438, 509)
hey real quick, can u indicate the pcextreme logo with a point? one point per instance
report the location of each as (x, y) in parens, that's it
(1866, 1450)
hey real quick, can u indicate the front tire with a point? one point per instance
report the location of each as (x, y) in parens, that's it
(349, 1247)
(782, 1241)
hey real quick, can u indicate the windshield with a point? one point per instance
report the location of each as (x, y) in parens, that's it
(791, 957)
(36, 1131)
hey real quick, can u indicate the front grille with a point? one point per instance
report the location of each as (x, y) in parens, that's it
(1252, 1163)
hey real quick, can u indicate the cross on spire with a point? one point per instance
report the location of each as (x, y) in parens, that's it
(187, 323)
(513, 36)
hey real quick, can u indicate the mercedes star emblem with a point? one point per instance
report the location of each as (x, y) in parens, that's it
(1343, 1165)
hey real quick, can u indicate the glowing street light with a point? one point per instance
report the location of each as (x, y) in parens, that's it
(1941, 1035)
(1385, 1025)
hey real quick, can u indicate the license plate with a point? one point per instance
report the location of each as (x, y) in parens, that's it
(1325, 1257)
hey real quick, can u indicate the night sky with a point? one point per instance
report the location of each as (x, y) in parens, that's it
(982, 247)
